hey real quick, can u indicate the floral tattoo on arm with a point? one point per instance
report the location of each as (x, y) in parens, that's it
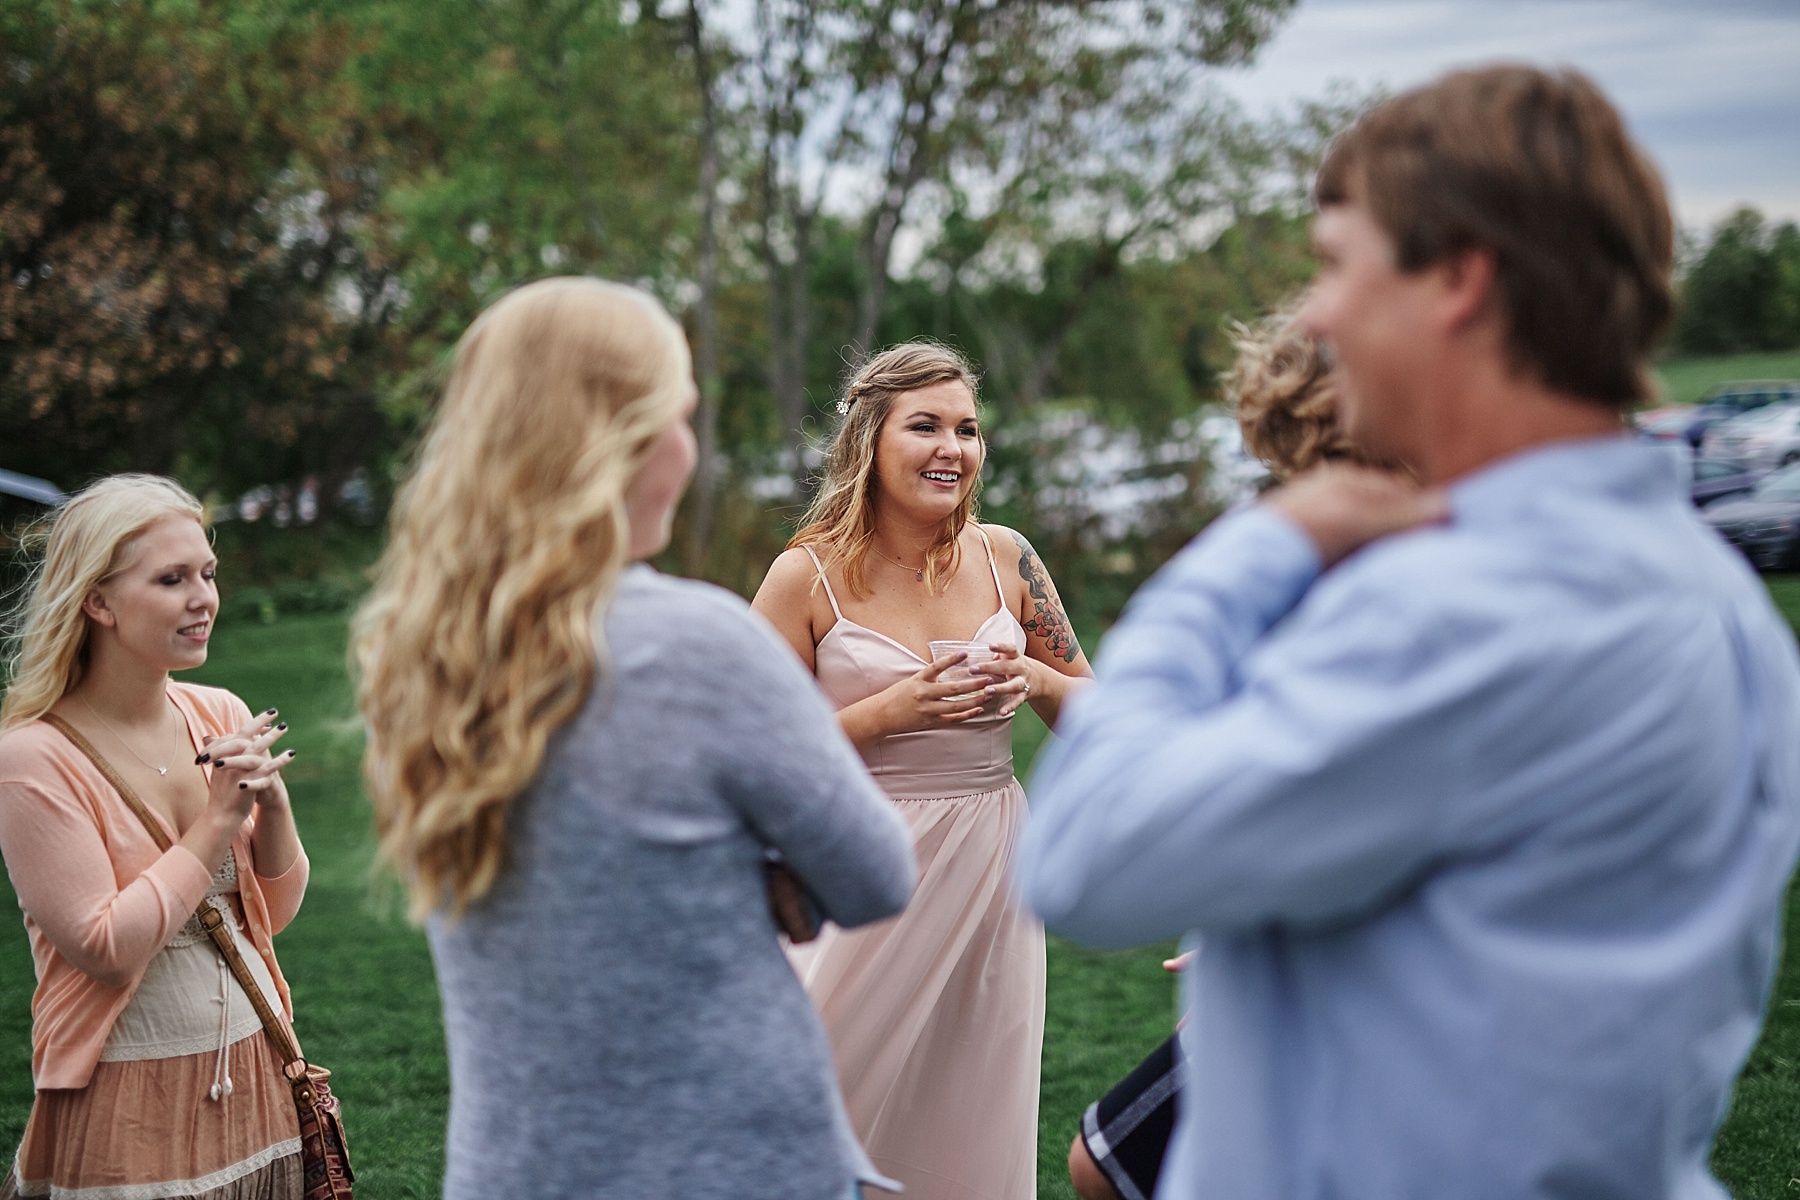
(1047, 620)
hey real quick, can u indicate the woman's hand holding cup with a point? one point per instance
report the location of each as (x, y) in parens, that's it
(1012, 675)
(928, 699)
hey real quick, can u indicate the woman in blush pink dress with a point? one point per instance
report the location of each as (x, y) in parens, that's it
(936, 1017)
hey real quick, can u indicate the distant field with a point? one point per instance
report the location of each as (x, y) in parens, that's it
(1684, 380)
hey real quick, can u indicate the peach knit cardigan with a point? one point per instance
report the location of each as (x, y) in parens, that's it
(100, 899)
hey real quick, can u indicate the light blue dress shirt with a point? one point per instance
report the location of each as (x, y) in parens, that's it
(1484, 833)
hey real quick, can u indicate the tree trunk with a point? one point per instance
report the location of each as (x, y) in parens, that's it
(794, 406)
(706, 324)
(789, 327)
(909, 158)
(878, 249)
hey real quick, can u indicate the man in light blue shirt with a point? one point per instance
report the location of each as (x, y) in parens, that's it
(1481, 795)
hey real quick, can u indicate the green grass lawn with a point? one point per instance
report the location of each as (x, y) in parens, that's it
(1685, 379)
(367, 1003)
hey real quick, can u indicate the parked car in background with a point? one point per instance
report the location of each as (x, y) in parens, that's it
(1714, 480)
(1765, 524)
(1759, 441)
(1690, 423)
(23, 499)
(1668, 425)
(31, 488)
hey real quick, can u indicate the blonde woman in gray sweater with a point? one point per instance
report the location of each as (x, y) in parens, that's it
(578, 766)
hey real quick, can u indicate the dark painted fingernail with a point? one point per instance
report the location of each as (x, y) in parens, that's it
(291, 753)
(243, 787)
(283, 725)
(270, 713)
(201, 759)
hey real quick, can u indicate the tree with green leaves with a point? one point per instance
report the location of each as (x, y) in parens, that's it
(530, 138)
(864, 105)
(182, 204)
(1743, 290)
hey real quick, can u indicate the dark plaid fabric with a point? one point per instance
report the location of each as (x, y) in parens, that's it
(1127, 1130)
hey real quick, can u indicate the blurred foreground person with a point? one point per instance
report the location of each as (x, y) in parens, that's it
(1280, 387)
(1482, 800)
(154, 1078)
(577, 766)
(937, 1018)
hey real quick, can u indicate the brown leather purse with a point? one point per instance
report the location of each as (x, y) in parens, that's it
(324, 1154)
(789, 906)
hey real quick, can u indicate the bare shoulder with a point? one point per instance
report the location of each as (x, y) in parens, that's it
(1014, 556)
(1039, 607)
(786, 594)
(785, 600)
(790, 575)
(1010, 546)
(1007, 541)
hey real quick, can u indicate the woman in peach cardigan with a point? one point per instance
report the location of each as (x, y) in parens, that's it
(153, 1078)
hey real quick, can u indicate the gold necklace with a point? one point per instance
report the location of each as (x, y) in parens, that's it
(918, 572)
(121, 738)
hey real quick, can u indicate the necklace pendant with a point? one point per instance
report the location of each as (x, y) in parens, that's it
(162, 770)
(919, 575)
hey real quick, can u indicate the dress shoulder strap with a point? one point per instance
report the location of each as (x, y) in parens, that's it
(829, 594)
(992, 565)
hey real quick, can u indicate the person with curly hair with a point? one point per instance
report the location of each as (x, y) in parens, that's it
(1280, 386)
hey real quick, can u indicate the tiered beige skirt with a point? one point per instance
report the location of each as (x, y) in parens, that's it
(146, 1130)
(936, 1017)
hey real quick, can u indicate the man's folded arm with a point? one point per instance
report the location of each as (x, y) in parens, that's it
(1218, 779)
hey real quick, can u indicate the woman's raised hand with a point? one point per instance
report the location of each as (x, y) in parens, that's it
(1011, 672)
(244, 773)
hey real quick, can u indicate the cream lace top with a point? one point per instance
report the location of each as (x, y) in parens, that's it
(189, 1002)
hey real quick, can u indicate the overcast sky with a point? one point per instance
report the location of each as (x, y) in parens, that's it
(1712, 89)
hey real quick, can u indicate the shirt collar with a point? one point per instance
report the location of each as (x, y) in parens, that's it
(1616, 466)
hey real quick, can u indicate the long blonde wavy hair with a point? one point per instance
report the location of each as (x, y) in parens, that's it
(841, 517)
(479, 637)
(87, 541)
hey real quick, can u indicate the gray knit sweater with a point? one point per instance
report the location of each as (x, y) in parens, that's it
(621, 1019)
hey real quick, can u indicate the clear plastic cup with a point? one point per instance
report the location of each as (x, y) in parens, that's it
(978, 652)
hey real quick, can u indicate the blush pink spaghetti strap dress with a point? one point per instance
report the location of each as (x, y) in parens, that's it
(936, 1016)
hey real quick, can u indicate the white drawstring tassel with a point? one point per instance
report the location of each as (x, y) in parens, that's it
(222, 1064)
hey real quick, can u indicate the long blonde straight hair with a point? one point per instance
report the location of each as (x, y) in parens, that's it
(841, 517)
(87, 541)
(479, 637)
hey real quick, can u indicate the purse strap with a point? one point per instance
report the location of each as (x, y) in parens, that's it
(210, 918)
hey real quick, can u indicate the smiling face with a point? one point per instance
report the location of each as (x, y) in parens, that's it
(159, 607)
(930, 451)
